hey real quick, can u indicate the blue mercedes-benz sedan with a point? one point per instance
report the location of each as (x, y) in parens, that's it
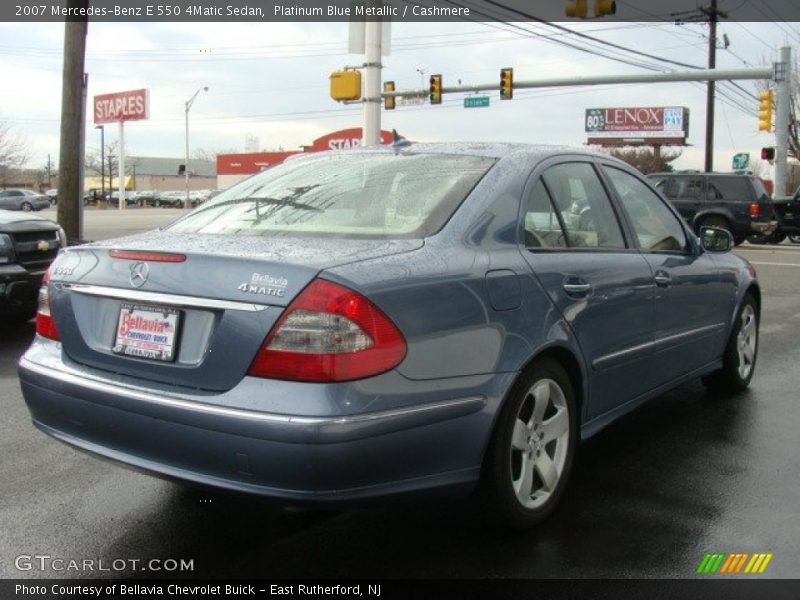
(387, 321)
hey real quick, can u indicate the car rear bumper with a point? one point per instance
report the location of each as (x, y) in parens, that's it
(19, 288)
(289, 457)
(764, 228)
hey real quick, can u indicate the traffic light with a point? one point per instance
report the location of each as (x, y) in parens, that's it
(604, 7)
(436, 89)
(389, 102)
(768, 153)
(506, 84)
(577, 8)
(765, 111)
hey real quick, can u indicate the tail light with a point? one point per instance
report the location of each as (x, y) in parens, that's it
(45, 325)
(329, 333)
(755, 210)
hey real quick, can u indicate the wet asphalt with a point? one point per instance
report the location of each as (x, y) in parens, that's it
(686, 474)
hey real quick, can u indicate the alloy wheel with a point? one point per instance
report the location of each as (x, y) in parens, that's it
(539, 443)
(746, 341)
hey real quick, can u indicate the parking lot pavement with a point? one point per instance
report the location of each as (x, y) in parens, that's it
(686, 474)
(102, 224)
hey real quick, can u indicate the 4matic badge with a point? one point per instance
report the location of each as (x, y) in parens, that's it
(265, 285)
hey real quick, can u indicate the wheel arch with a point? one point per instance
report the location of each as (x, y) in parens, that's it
(570, 362)
(755, 290)
(701, 216)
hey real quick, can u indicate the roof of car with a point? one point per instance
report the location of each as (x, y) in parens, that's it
(692, 172)
(487, 149)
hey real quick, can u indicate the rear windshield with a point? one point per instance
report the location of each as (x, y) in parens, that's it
(347, 195)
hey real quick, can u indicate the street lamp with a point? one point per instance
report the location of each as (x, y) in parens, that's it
(189, 103)
(102, 162)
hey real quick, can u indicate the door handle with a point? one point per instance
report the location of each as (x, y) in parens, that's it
(577, 289)
(663, 279)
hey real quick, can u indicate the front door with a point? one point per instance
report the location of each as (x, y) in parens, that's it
(691, 304)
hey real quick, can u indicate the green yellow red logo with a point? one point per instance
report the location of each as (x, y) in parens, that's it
(734, 563)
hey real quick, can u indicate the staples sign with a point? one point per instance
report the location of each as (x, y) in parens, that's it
(122, 106)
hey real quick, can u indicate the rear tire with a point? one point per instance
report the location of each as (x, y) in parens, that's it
(739, 360)
(26, 206)
(774, 238)
(795, 239)
(529, 459)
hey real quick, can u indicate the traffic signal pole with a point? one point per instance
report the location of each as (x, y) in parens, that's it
(372, 84)
(783, 78)
(672, 76)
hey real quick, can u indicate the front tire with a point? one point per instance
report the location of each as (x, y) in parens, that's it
(531, 453)
(739, 360)
(26, 206)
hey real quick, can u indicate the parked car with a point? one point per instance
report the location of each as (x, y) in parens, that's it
(173, 199)
(390, 321)
(28, 245)
(26, 200)
(131, 198)
(146, 197)
(92, 196)
(52, 195)
(787, 213)
(737, 203)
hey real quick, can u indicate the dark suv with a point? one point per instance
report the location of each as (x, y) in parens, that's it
(28, 245)
(738, 203)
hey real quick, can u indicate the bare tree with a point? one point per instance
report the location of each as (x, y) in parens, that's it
(645, 159)
(13, 151)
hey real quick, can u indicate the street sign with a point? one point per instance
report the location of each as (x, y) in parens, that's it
(476, 101)
(411, 100)
(740, 161)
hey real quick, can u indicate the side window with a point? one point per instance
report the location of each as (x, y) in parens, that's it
(657, 229)
(585, 208)
(689, 188)
(542, 226)
(731, 188)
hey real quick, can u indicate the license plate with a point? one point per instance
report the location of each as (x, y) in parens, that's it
(788, 215)
(147, 332)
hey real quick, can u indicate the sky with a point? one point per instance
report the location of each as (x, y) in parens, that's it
(270, 81)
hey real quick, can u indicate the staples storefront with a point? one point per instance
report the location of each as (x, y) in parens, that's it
(232, 168)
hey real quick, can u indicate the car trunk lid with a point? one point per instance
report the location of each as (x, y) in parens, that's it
(190, 310)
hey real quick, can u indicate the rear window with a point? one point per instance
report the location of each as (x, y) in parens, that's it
(347, 195)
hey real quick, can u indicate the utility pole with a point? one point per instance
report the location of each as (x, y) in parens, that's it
(69, 160)
(712, 64)
(711, 14)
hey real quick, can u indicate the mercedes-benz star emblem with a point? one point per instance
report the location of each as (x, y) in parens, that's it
(139, 273)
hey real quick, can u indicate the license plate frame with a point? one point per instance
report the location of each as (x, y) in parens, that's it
(150, 332)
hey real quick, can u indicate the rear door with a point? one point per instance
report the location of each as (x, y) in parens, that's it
(691, 304)
(603, 288)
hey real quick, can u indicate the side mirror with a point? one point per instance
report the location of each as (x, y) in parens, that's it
(714, 239)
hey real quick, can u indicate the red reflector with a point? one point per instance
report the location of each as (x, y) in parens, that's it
(329, 333)
(149, 256)
(45, 325)
(755, 210)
